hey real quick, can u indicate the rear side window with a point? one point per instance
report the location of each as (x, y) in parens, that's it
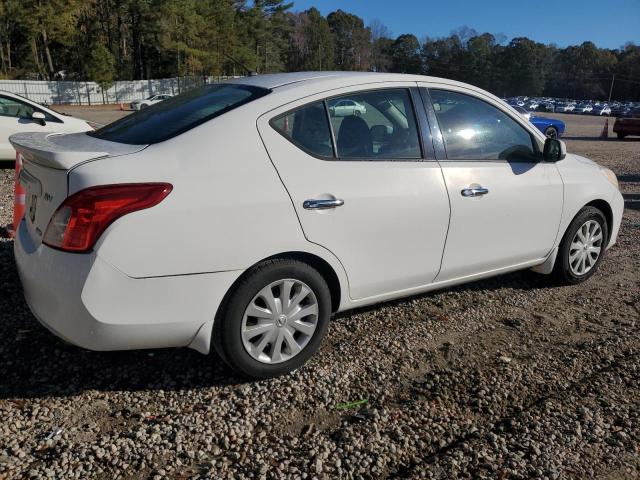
(176, 115)
(308, 128)
(375, 125)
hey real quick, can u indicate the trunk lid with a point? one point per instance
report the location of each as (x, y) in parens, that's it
(46, 162)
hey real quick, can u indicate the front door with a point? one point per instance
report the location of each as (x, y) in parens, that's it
(361, 186)
(506, 202)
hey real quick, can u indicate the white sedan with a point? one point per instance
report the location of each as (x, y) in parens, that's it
(243, 216)
(147, 102)
(18, 114)
(346, 107)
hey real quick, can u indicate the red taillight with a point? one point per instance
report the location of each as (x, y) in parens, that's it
(84, 216)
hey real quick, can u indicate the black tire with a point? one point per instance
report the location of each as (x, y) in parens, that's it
(621, 136)
(227, 336)
(144, 105)
(562, 270)
(551, 132)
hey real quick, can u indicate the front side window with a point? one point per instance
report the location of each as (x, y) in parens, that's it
(10, 107)
(164, 120)
(475, 130)
(375, 125)
(308, 128)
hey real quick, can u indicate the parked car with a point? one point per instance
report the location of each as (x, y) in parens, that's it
(285, 214)
(629, 124)
(586, 108)
(602, 110)
(18, 114)
(569, 108)
(345, 108)
(551, 127)
(546, 107)
(152, 100)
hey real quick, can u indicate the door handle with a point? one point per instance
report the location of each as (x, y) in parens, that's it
(474, 192)
(322, 204)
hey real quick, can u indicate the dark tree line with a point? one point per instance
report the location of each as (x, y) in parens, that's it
(107, 40)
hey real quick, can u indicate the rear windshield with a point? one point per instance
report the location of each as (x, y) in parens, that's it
(172, 117)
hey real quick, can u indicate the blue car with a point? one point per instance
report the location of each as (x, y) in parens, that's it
(551, 127)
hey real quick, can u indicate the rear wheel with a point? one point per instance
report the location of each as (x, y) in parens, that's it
(274, 320)
(551, 132)
(621, 136)
(582, 247)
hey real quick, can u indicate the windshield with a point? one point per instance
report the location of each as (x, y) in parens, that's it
(176, 115)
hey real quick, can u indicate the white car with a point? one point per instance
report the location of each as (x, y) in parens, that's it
(147, 102)
(345, 108)
(17, 115)
(243, 216)
(570, 107)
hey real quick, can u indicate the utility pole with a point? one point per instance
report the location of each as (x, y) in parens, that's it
(613, 79)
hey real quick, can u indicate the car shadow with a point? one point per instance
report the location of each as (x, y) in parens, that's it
(7, 164)
(34, 363)
(521, 280)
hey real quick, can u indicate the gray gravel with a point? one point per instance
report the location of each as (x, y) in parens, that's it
(507, 378)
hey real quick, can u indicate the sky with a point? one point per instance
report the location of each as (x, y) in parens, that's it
(607, 23)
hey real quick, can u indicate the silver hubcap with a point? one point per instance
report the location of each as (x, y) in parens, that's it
(280, 320)
(585, 247)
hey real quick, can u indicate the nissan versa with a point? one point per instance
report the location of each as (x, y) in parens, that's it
(238, 216)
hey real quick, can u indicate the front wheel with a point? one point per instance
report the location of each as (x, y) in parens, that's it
(621, 136)
(274, 320)
(582, 247)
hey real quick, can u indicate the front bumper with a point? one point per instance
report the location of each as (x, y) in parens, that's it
(617, 208)
(89, 303)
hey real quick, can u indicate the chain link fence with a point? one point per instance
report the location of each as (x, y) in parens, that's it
(90, 93)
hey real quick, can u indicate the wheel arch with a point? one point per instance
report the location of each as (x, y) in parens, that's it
(607, 211)
(321, 265)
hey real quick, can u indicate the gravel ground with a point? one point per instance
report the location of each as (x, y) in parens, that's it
(507, 378)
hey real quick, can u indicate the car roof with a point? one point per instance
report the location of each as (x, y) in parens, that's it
(277, 80)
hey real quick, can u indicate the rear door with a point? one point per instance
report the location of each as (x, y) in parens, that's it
(364, 186)
(506, 202)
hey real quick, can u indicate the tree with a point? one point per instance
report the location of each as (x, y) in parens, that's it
(311, 42)
(381, 43)
(352, 41)
(405, 54)
(101, 67)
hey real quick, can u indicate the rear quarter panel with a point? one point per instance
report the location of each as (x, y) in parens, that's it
(228, 208)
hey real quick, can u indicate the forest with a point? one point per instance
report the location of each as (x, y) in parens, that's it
(109, 40)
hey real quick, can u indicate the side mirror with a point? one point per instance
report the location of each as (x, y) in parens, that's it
(554, 150)
(39, 118)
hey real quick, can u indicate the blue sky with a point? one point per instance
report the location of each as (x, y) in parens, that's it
(608, 23)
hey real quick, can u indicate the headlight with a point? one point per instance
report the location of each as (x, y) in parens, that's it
(610, 176)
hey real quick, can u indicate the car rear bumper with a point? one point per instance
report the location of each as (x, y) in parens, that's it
(87, 302)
